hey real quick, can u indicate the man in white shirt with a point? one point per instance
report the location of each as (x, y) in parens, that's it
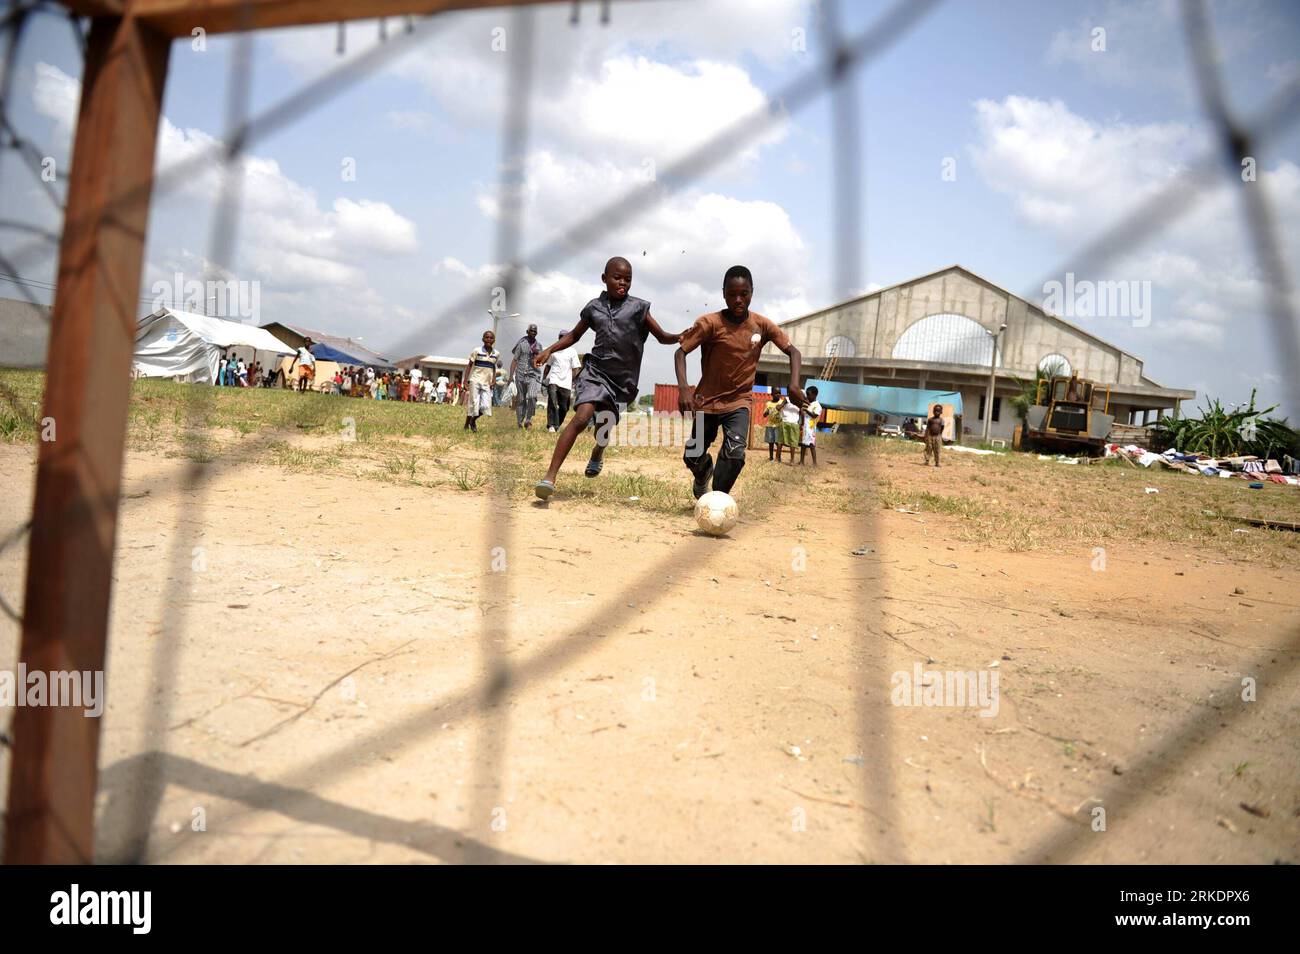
(443, 383)
(559, 384)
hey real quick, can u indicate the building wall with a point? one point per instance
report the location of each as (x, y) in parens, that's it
(973, 425)
(874, 325)
(24, 334)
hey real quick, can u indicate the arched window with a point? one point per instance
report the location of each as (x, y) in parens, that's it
(946, 339)
(1055, 366)
(841, 346)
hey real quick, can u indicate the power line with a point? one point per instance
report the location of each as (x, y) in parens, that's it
(43, 285)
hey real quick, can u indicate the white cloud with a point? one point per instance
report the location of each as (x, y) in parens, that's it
(1143, 42)
(691, 236)
(1067, 172)
(372, 226)
(596, 88)
(56, 95)
(1073, 178)
(282, 227)
(1125, 44)
(308, 258)
(679, 250)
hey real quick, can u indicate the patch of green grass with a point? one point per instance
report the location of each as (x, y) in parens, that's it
(403, 466)
(1008, 501)
(468, 478)
(928, 502)
(293, 458)
(21, 393)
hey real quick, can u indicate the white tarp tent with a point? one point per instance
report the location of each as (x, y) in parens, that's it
(181, 344)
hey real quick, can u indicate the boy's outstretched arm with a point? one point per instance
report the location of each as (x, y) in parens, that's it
(796, 367)
(661, 336)
(684, 403)
(569, 339)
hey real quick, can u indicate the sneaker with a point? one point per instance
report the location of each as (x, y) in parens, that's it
(550, 430)
(701, 485)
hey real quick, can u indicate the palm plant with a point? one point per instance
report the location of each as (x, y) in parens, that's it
(1224, 432)
(1022, 402)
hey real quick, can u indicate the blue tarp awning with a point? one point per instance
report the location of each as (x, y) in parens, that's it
(326, 353)
(899, 402)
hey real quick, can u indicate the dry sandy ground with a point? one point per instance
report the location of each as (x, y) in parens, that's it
(332, 670)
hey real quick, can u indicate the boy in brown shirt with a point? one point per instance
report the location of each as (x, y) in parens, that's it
(730, 341)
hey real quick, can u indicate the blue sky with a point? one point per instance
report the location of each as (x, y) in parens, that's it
(1052, 140)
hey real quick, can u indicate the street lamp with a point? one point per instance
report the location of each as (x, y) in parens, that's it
(497, 316)
(993, 368)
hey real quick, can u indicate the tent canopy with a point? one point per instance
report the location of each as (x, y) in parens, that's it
(223, 333)
(898, 402)
(326, 353)
(296, 335)
(170, 343)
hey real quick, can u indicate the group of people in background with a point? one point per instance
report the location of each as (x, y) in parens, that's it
(413, 386)
(232, 372)
(790, 426)
(491, 385)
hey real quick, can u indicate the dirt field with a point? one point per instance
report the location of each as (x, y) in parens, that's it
(318, 644)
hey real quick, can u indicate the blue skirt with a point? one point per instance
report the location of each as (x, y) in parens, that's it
(594, 387)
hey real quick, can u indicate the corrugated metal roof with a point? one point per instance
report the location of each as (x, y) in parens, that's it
(339, 342)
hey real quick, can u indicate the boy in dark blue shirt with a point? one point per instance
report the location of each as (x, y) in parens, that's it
(611, 372)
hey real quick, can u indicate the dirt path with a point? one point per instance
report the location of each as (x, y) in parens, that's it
(335, 670)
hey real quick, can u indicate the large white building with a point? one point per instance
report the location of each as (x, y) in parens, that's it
(936, 333)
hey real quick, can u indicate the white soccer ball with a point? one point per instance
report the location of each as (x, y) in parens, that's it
(716, 513)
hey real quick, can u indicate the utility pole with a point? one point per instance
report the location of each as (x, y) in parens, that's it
(496, 319)
(993, 370)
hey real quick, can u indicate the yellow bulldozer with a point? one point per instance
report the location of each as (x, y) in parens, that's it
(1069, 415)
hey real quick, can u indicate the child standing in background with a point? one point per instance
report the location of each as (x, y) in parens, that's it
(812, 413)
(772, 432)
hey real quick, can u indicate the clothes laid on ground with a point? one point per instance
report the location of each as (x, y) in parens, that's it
(1243, 467)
